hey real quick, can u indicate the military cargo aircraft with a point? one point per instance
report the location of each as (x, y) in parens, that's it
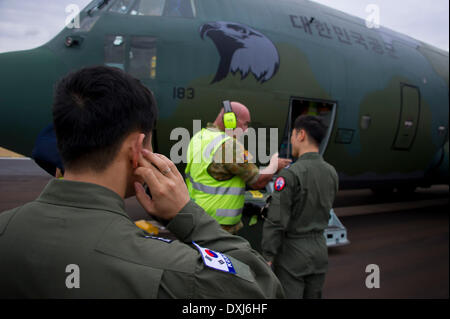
(384, 95)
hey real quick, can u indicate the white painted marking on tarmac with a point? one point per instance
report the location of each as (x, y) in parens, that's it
(15, 158)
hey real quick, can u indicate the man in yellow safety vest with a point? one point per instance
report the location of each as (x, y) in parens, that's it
(218, 167)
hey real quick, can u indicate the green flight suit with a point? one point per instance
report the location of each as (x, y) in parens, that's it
(83, 224)
(293, 231)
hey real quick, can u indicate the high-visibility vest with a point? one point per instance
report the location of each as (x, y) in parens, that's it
(223, 200)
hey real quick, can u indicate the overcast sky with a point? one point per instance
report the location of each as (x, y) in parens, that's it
(25, 24)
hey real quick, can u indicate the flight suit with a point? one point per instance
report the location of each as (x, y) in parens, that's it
(293, 231)
(74, 224)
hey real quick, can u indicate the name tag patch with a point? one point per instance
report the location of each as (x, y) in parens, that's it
(215, 260)
(166, 240)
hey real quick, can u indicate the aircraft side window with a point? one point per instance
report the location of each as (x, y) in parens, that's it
(148, 8)
(114, 50)
(96, 6)
(168, 8)
(179, 8)
(121, 6)
(143, 57)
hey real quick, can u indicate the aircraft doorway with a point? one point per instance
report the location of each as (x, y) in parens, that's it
(409, 117)
(301, 106)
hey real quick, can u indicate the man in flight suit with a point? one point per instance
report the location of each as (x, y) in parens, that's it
(219, 168)
(76, 240)
(293, 240)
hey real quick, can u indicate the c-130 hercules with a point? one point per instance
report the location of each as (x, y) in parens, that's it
(385, 95)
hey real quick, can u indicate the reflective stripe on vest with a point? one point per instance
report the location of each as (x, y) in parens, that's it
(229, 212)
(216, 190)
(212, 145)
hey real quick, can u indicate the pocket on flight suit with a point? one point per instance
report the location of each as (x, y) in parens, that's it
(295, 258)
(319, 254)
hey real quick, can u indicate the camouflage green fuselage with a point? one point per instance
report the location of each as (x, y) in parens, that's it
(318, 54)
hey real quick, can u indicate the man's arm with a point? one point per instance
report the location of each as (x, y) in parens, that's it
(266, 174)
(241, 165)
(189, 223)
(278, 215)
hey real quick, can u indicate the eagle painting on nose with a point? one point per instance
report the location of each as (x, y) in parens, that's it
(242, 49)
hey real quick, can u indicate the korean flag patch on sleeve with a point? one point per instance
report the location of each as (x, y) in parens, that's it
(215, 260)
(280, 183)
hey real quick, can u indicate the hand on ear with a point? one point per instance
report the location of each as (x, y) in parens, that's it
(166, 184)
(137, 148)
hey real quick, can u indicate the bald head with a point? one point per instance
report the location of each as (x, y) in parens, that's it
(242, 116)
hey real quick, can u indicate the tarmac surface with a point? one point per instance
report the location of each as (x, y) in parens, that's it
(406, 236)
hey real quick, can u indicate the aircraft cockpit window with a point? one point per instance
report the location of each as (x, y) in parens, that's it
(168, 8)
(179, 8)
(121, 6)
(148, 8)
(96, 6)
(114, 51)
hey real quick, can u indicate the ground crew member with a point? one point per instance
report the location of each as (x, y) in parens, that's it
(218, 168)
(76, 240)
(293, 240)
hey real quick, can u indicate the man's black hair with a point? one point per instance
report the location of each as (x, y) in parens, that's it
(313, 126)
(94, 109)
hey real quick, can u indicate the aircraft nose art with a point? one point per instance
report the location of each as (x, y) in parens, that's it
(242, 49)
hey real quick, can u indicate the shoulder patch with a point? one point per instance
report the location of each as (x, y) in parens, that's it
(166, 240)
(280, 183)
(215, 260)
